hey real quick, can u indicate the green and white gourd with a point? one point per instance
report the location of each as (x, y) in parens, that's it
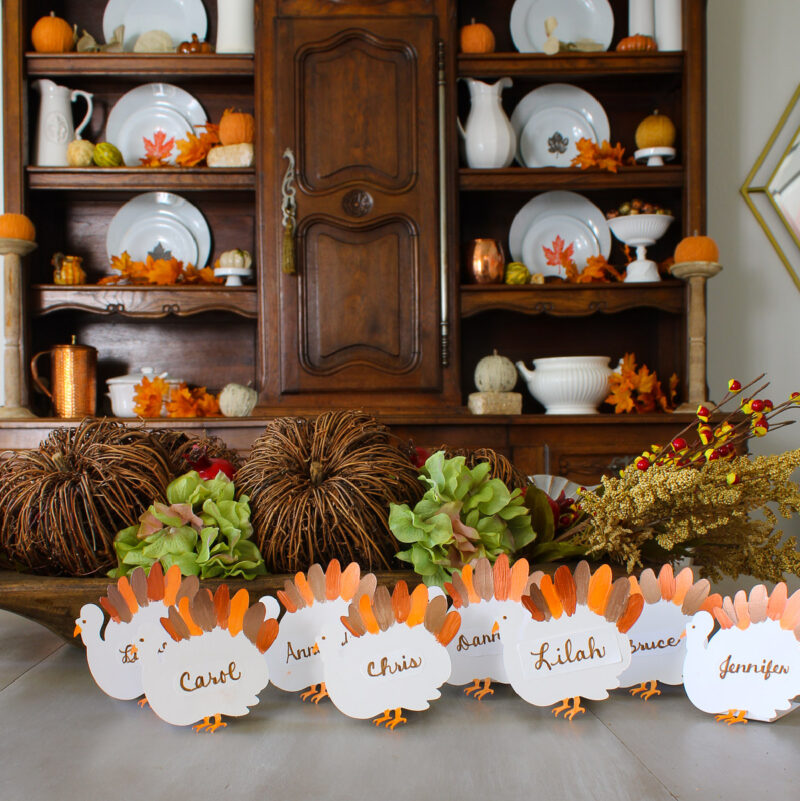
(495, 373)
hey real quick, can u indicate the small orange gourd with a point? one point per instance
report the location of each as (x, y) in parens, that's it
(16, 226)
(53, 35)
(696, 248)
(477, 38)
(637, 42)
(657, 130)
(236, 128)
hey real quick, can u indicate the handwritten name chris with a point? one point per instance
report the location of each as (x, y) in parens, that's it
(566, 654)
(386, 669)
(766, 668)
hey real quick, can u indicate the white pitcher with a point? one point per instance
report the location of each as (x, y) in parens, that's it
(490, 141)
(235, 26)
(55, 129)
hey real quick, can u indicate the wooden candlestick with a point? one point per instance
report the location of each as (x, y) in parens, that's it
(696, 273)
(14, 370)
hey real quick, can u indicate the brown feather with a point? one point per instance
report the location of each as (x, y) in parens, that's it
(582, 577)
(356, 623)
(293, 594)
(631, 613)
(482, 580)
(286, 601)
(538, 599)
(695, 597)
(316, 580)
(727, 607)
(565, 587)
(118, 602)
(401, 602)
(382, 608)
(536, 613)
(350, 626)
(649, 586)
(253, 618)
(501, 577)
(366, 586)
(139, 587)
(188, 589)
(222, 605)
(202, 609)
(110, 609)
(267, 634)
(155, 582)
(461, 588)
(333, 579)
(178, 623)
(758, 603)
(435, 614)
(617, 599)
(168, 627)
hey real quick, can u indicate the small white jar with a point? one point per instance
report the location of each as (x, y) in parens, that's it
(121, 389)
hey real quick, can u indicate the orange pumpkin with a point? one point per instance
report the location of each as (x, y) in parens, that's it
(16, 226)
(53, 35)
(477, 38)
(236, 128)
(696, 248)
(657, 130)
(637, 42)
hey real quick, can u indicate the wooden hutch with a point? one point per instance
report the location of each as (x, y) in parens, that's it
(379, 314)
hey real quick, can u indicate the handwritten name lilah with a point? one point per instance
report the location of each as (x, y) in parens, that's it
(465, 643)
(766, 668)
(201, 681)
(568, 655)
(386, 669)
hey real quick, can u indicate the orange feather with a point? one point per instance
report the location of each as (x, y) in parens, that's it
(453, 593)
(565, 587)
(712, 602)
(346, 623)
(666, 582)
(304, 588)
(285, 600)
(519, 578)
(631, 614)
(466, 577)
(170, 629)
(172, 583)
(536, 613)
(349, 581)
(742, 609)
(239, 604)
(791, 614)
(367, 615)
(401, 602)
(419, 604)
(266, 634)
(551, 596)
(635, 585)
(599, 589)
(333, 580)
(724, 621)
(683, 581)
(777, 601)
(502, 577)
(109, 607)
(183, 607)
(222, 605)
(452, 623)
(125, 590)
(155, 582)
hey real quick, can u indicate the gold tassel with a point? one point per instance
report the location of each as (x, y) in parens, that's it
(288, 249)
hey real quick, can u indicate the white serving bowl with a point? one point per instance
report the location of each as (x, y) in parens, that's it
(121, 389)
(640, 229)
(568, 384)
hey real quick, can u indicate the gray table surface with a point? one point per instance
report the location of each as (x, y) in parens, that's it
(61, 738)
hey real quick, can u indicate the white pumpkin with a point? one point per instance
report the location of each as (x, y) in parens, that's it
(495, 373)
(236, 400)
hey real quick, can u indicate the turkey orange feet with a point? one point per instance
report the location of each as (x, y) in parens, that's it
(647, 690)
(142, 703)
(733, 716)
(569, 712)
(390, 721)
(479, 691)
(209, 727)
(316, 692)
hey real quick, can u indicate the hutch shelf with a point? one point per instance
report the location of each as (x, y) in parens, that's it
(379, 314)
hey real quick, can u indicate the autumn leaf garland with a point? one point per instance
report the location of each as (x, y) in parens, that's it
(639, 390)
(157, 271)
(181, 401)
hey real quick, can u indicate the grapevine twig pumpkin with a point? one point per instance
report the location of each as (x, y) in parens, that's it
(320, 489)
(501, 467)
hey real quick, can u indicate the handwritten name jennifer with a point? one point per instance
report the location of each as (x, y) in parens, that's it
(201, 681)
(766, 668)
(568, 655)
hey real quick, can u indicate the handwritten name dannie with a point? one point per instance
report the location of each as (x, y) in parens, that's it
(465, 643)
(767, 668)
(568, 655)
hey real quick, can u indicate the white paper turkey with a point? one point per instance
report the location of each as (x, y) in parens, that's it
(396, 657)
(568, 638)
(657, 647)
(312, 604)
(482, 594)
(750, 668)
(210, 663)
(113, 657)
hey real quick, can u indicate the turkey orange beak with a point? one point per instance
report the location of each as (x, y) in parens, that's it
(496, 627)
(77, 630)
(315, 649)
(683, 634)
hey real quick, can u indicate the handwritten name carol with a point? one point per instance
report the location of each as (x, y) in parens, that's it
(208, 680)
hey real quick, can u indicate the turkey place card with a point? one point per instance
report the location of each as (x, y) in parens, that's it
(657, 648)
(396, 657)
(211, 662)
(481, 593)
(113, 657)
(750, 668)
(313, 603)
(568, 638)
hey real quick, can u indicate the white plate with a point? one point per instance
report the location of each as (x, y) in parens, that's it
(518, 25)
(179, 18)
(146, 109)
(549, 138)
(563, 95)
(543, 233)
(577, 19)
(559, 203)
(155, 217)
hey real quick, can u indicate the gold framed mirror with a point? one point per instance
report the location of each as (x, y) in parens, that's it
(772, 188)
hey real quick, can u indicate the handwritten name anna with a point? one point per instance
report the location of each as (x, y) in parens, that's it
(567, 655)
(653, 645)
(385, 669)
(201, 681)
(465, 643)
(766, 668)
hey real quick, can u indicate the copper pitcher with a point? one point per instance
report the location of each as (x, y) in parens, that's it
(485, 261)
(73, 371)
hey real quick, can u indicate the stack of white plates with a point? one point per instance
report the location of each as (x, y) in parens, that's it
(550, 120)
(179, 18)
(565, 215)
(577, 19)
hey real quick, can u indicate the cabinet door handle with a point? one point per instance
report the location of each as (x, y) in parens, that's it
(289, 215)
(443, 255)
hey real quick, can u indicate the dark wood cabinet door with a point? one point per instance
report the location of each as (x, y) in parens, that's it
(356, 102)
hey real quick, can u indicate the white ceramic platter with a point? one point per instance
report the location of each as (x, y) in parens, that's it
(577, 19)
(149, 108)
(549, 137)
(563, 96)
(179, 18)
(162, 218)
(518, 25)
(559, 202)
(542, 234)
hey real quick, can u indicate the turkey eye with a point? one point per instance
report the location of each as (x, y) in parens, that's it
(505, 617)
(141, 639)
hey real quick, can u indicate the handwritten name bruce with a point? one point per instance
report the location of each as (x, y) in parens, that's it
(386, 669)
(464, 643)
(669, 642)
(766, 668)
(568, 655)
(210, 680)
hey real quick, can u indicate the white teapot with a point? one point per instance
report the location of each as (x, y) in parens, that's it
(55, 130)
(489, 139)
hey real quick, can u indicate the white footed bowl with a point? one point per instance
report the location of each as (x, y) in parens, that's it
(640, 229)
(568, 384)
